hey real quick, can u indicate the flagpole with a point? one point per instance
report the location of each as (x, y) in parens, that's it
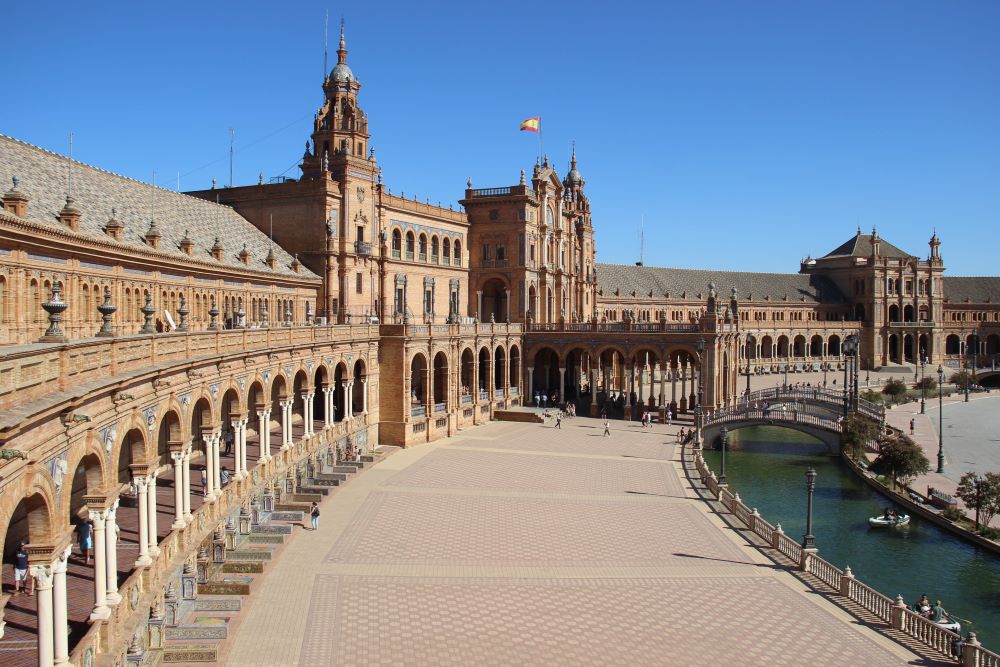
(541, 145)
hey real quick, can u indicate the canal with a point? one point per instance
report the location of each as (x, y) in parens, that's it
(767, 465)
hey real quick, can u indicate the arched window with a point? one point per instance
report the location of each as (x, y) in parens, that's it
(434, 249)
(423, 248)
(85, 300)
(446, 251)
(397, 243)
(458, 253)
(409, 246)
(550, 216)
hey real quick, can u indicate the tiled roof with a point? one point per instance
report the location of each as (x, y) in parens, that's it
(757, 286)
(860, 245)
(978, 289)
(96, 191)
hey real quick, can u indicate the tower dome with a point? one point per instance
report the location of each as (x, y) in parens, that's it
(574, 177)
(341, 72)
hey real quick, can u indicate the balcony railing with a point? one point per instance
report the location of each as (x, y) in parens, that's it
(494, 263)
(395, 253)
(409, 255)
(422, 257)
(484, 395)
(439, 407)
(363, 249)
(418, 411)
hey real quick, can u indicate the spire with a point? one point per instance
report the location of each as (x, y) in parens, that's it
(572, 159)
(342, 51)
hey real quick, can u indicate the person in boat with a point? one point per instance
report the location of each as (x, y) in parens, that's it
(939, 614)
(887, 513)
(923, 606)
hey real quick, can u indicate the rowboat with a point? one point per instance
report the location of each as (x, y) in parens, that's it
(885, 522)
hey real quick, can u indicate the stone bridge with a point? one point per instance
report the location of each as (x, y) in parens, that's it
(825, 429)
(830, 400)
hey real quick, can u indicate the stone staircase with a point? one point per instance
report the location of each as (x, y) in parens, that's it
(239, 558)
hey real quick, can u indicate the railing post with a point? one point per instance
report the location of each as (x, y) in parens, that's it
(776, 536)
(897, 615)
(970, 651)
(845, 582)
(753, 520)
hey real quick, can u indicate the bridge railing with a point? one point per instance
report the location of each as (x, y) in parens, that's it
(831, 397)
(731, 415)
(893, 614)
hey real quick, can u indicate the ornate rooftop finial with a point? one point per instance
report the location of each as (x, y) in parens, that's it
(16, 180)
(522, 177)
(468, 183)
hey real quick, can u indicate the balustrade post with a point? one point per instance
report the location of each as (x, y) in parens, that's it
(845, 582)
(971, 649)
(897, 614)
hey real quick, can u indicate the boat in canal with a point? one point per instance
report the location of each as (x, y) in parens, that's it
(884, 521)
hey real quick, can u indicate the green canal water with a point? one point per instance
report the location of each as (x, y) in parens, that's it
(767, 465)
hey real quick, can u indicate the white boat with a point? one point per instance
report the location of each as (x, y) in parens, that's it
(884, 522)
(950, 624)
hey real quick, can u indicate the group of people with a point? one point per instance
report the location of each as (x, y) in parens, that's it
(936, 613)
(542, 399)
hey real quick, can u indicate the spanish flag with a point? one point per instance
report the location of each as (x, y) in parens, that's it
(532, 124)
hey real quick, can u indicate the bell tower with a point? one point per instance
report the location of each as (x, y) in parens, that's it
(340, 127)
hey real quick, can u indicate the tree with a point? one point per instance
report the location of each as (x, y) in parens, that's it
(895, 389)
(985, 500)
(901, 460)
(928, 383)
(858, 432)
(959, 379)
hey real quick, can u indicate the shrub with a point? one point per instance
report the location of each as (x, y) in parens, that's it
(953, 514)
(894, 389)
(959, 379)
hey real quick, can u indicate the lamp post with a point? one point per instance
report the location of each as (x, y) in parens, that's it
(785, 386)
(940, 467)
(975, 356)
(725, 441)
(808, 540)
(700, 347)
(923, 387)
(748, 368)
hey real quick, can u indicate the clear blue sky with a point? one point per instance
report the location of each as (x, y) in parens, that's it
(749, 134)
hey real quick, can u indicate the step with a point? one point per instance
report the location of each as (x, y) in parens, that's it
(319, 490)
(337, 472)
(264, 538)
(197, 632)
(368, 458)
(218, 604)
(324, 481)
(223, 588)
(273, 529)
(249, 555)
(243, 567)
(304, 498)
(206, 653)
(288, 515)
(343, 469)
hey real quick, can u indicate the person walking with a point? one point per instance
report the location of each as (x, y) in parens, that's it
(85, 538)
(913, 425)
(607, 428)
(21, 577)
(314, 516)
(229, 437)
(559, 421)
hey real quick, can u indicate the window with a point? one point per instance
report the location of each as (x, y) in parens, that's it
(446, 251)
(397, 243)
(423, 248)
(501, 252)
(486, 252)
(494, 214)
(409, 246)
(458, 253)
(550, 216)
(434, 249)
(361, 233)
(359, 282)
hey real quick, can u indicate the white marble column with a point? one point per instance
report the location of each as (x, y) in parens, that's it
(43, 590)
(178, 458)
(241, 448)
(186, 493)
(60, 615)
(154, 550)
(262, 427)
(217, 462)
(286, 425)
(209, 473)
(237, 426)
(309, 405)
(111, 554)
(345, 387)
(663, 384)
(101, 610)
(327, 406)
(140, 486)
(364, 396)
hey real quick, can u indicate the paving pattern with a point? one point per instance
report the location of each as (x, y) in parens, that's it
(523, 544)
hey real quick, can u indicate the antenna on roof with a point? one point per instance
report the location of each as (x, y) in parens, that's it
(232, 140)
(642, 237)
(69, 168)
(326, 44)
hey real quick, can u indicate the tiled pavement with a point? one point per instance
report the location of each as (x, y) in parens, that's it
(523, 544)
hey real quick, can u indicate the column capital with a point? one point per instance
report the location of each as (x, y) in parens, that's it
(98, 518)
(61, 562)
(140, 483)
(178, 456)
(43, 575)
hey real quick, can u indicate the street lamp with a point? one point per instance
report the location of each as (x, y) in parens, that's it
(700, 347)
(808, 540)
(940, 467)
(725, 441)
(975, 355)
(850, 357)
(748, 368)
(923, 387)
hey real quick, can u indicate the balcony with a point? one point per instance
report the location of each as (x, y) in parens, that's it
(395, 253)
(418, 411)
(363, 249)
(494, 263)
